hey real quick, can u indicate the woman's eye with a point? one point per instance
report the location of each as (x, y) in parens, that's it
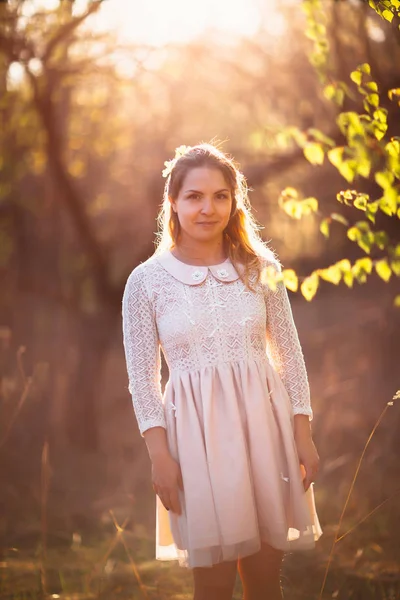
(193, 196)
(222, 196)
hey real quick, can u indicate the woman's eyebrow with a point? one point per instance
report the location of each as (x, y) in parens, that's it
(198, 192)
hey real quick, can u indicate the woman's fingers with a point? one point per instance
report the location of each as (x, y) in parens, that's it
(167, 481)
(311, 472)
(175, 503)
(169, 498)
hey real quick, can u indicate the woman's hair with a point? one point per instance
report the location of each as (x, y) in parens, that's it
(242, 241)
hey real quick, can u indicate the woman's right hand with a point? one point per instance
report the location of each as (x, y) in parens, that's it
(167, 480)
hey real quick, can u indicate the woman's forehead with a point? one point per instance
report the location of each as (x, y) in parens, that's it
(204, 177)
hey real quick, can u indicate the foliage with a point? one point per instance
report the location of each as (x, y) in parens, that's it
(368, 152)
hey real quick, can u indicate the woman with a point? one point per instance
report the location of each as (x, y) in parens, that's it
(230, 438)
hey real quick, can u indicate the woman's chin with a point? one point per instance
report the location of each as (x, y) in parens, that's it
(203, 234)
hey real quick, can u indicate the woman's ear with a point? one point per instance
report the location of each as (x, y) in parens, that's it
(173, 204)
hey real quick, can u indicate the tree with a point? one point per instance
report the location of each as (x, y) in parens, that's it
(367, 150)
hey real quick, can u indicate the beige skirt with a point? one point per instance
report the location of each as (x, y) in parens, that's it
(230, 428)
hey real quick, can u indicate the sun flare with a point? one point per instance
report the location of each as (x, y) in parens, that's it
(158, 22)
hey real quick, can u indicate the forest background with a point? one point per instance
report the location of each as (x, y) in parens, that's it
(93, 101)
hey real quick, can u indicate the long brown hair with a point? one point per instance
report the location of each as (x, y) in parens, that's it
(242, 240)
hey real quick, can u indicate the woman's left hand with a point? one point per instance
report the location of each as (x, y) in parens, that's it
(308, 457)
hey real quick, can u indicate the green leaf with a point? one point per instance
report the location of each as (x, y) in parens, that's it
(348, 170)
(356, 76)
(361, 268)
(383, 269)
(388, 203)
(365, 264)
(344, 265)
(388, 15)
(353, 234)
(329, 91)
(290, 279)
(348, 278)
(364, 68)
(346, 269)
(324, 227)
(393, 92)
(290, 192)
(381, 239)
(321, 137)
(380, 114)
(350, 121)
(363, 226)
(314, 153)
(393, 148)
(372, 86)
(372, 208)
(366, 106)
(364, 167)
(309, 205)
(373, 99)
(384, 179)
(339, 218)
(379, 129)
(336, 156)
(332, 274)
(293, 209)
(346, 196)
(361, 202)
(309, 286)
(366, 241)
(339, 96)
(395, 266)
(299, 136)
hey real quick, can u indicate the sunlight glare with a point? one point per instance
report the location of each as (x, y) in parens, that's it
(15, 76)
(159, 22)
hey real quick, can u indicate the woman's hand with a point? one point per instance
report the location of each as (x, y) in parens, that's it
(167, 480)
(306, 449)
(309, 458)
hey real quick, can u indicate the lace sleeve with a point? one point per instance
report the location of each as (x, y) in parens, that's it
(142, 353)
(284, 349)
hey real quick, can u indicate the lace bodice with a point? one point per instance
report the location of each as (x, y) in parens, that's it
(199, 317)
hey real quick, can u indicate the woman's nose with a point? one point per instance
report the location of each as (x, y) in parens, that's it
(208, 206)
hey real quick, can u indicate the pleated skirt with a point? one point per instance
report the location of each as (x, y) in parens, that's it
(230, 428)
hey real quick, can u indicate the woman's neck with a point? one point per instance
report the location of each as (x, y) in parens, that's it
(200, 254)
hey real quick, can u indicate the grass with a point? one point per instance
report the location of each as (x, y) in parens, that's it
(119, 564)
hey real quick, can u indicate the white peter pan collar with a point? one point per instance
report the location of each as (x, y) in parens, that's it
(194, 274)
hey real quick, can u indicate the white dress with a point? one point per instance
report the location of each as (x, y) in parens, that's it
(236, 379)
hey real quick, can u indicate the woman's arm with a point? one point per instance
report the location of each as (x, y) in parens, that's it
(142, 353)
(286, 355)
(284, 349)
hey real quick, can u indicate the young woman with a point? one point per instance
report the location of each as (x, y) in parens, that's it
(233, 460)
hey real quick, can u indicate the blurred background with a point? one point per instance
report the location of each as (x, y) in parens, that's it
(94, 97)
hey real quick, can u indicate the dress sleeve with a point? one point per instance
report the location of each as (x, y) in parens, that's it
(284, 349)
(142, 353)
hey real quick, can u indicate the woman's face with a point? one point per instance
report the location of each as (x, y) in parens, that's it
(203, 204)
